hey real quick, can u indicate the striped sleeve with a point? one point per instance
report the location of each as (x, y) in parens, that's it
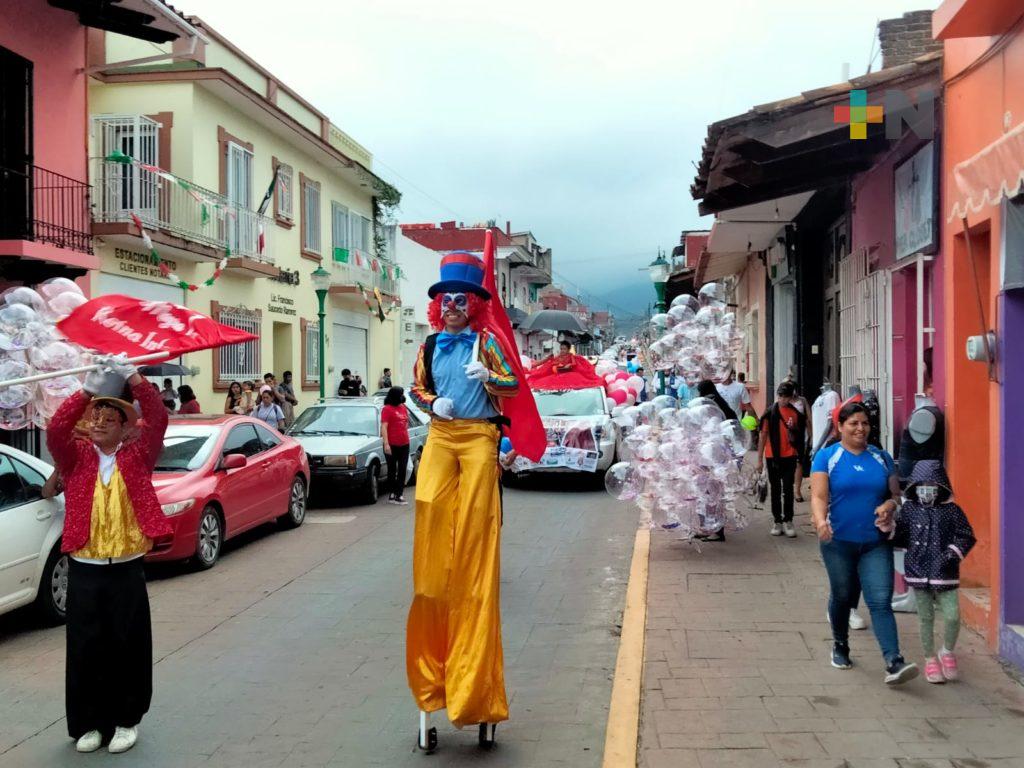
(503, 381)
(419, 391)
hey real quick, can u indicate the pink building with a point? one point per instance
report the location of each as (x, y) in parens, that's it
(44, 193)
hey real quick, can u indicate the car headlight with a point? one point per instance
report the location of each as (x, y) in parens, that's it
(339, 461)
(177, 507)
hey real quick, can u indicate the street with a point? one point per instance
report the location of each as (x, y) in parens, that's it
(291, 651)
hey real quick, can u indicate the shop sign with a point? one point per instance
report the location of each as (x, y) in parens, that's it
(281, 305)
(916, 198)
(287, 276)
(140, 264)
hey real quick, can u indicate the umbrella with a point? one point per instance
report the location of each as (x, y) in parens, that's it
(552, 320)
(165, 369)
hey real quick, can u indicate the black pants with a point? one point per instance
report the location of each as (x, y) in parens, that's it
(109, 676)
(397, 462)
(781, 474)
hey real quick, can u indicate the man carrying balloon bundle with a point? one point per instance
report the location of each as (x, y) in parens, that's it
(466, 375)
(111, 518)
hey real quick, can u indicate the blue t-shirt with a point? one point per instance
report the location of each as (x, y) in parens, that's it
(857, 484)
(448, 369)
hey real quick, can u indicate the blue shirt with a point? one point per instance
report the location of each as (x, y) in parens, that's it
(857, 483)
(448, 369)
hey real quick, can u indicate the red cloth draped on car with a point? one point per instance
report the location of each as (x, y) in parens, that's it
(581, 376)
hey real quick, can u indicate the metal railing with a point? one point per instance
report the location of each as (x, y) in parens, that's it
(349, 274)
(190, 211)
(44, 206)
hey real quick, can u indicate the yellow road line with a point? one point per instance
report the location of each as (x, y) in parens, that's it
(620, 742)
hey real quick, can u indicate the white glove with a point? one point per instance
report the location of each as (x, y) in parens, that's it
(119, 364)
(444, 408)
(476, 370)
(94, 381)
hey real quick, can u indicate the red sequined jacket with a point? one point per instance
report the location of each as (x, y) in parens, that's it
(79, 465)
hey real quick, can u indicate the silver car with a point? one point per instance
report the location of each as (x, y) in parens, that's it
(580, 419)
(341, 437)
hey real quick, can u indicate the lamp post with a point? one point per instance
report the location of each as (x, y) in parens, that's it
(321, 279)
(659, 271)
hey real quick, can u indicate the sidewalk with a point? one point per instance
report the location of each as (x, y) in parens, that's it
(737, 673)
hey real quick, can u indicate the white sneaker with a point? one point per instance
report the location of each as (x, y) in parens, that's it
(124, 739)
(856, 620)
(789, 530)
(89, 742)
(776, 529)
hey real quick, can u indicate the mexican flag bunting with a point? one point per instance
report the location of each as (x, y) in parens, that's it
(374, 265)
(261, 240)
(341, 255)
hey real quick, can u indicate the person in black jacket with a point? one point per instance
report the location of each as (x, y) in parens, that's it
(937, 537)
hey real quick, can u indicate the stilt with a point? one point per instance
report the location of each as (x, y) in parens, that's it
(485, 742)
(427, 740)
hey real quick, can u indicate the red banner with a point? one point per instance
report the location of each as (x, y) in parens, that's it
(115, 323)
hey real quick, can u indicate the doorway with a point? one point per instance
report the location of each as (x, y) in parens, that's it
(15, 146)
(283, 361)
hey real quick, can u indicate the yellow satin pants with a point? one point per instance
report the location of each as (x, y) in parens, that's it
(453, 637)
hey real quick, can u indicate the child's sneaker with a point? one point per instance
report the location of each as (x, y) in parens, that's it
(949, 668)
(933, 671)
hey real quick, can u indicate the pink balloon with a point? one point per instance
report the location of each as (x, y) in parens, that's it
(630, 398)
(621, 376)
(618, 396)
(610, 378)
(632, 392)
(617, 386)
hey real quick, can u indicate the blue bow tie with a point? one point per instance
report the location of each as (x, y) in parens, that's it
(447, 341)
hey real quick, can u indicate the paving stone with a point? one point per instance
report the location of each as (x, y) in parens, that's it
(795, 745)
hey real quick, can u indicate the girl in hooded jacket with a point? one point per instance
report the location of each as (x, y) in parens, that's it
(937, 536)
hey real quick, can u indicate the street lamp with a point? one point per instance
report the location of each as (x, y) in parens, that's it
(659, 271)
(321, 279)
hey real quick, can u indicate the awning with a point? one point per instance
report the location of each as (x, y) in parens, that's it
(995, 172)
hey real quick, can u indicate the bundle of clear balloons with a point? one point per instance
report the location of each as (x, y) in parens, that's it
(684, 459)
(30, 344)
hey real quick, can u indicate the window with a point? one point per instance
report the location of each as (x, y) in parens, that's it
(1013, 248)
(310, 354)
(242, 439)
(360, 229)
(310, 216)
(241, 235)
(267, 438)
(19, 483)
(123, 187)
(238, 361)
(339, 228)
(284, 202)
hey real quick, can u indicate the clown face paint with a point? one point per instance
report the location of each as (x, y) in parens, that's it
(455, 310)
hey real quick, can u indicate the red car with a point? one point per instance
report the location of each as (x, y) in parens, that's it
(220, 475)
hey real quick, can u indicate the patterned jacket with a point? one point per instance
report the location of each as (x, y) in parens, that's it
(501, 383)
(79, 465)
(937, 538)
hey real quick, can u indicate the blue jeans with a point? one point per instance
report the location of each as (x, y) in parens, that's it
(862, 567)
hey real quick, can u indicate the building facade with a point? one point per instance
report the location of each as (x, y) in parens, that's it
(208, 135)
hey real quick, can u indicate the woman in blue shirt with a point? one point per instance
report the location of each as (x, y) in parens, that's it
(854, 488)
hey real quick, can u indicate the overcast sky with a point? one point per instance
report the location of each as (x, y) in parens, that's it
(580, 121)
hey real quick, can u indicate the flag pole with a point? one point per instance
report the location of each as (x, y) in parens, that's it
(79, 369)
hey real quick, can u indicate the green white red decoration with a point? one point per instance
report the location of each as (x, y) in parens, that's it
(165, 270)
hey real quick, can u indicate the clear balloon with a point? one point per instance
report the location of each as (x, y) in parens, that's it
(622, 481)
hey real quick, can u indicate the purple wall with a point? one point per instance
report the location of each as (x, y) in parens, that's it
(1011, 645)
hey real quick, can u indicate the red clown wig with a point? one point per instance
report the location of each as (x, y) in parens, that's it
(475, 312)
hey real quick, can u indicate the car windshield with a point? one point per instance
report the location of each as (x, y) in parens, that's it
(337, 420)
(570, 402)
(186, 447)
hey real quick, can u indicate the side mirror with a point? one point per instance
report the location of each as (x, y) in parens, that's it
(233, 461)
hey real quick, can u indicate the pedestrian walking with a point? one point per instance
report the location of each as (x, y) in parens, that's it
(348, 386)
(803, 464)
(645, 390)
(937, 536)
(169, 395)
(854, 492)
(394, 431)
(706, 388)
(385, 379)
(112, 516)
(189, 404)
(736, 395)
(285, 392)
(234, 402)
(781, 441)
(268, 411)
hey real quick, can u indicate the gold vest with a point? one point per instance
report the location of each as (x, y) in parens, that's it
(113, 529)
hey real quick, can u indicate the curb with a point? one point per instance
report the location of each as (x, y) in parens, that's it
(621, 735)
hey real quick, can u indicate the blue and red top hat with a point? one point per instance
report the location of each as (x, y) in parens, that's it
(461, 272)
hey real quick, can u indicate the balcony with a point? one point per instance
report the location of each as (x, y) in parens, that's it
(195, 221)
(354, 269)
(536, 270)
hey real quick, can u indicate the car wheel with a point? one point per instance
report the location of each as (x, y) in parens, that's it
(52, 599)
(209, 539)
(371, 487)
(296, 505)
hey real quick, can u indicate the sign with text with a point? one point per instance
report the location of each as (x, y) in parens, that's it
(916, 230)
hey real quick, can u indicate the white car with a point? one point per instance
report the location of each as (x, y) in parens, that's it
(577, 419)
(32, 568)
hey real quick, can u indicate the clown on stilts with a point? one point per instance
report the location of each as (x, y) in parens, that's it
(463, 378)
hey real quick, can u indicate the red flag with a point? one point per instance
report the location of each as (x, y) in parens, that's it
(113, 324)
(527, 433)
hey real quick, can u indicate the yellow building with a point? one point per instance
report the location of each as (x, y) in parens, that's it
(212, 127)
